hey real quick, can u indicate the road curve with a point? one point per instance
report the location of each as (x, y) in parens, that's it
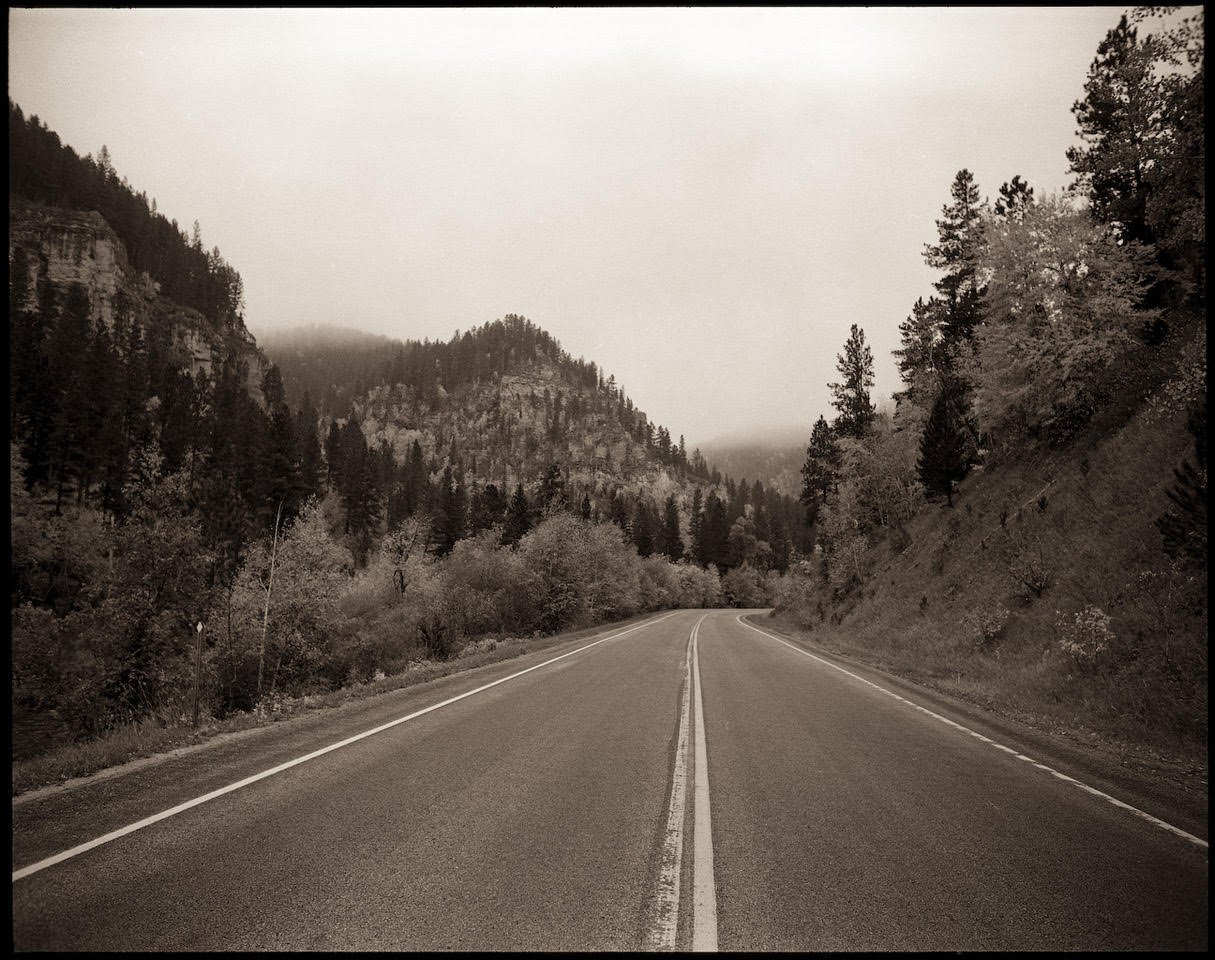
(538, 814)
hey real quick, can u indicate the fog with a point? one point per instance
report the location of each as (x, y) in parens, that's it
(701, 201)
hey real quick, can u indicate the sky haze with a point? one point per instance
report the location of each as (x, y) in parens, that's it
(701, 201)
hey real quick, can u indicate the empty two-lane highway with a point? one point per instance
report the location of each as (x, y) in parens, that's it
(688, 783)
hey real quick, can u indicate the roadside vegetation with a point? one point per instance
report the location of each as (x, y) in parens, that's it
(151, 736)
(1027, 526)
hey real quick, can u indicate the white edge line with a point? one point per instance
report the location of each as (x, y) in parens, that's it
(182, 807)
(704, 913)
(665, 914)
(1198, 841)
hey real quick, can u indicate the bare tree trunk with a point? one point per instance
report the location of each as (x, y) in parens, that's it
(261, 653)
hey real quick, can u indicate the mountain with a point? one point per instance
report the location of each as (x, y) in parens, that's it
(502, 404)
(130, 358)
(774, 457)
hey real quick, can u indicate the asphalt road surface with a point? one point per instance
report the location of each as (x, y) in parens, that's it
(689, 783)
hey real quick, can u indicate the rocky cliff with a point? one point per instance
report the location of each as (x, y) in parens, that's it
(65, 247)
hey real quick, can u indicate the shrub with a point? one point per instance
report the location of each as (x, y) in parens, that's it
(985, 626)
(1028, 566)
(1085, 637)
(744, 587)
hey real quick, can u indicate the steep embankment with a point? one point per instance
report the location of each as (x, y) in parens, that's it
(58, 248)
(1045, 593)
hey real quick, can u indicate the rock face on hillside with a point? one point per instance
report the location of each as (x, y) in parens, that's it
(503, 432)
(64, 247)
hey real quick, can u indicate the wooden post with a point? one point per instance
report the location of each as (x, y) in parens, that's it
(197, 669)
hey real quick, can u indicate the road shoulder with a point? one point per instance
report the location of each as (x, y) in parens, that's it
(1157, 787)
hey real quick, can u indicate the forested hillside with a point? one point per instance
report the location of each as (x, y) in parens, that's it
(773, 458)
(503, 407)
(1029, 527)
(174, 496)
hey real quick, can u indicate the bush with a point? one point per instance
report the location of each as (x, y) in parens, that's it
(985, 626)
(744, 587)
(579, 572)
(1085, 637)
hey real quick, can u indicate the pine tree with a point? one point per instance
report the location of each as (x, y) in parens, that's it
(715, 535)
(642, 530)
(1015, 198)
(448, 516)
(309, 445)
(487, 508)
(821, 470)
(780, 547)
(944, 447)
(672, 542)
(518, 518)
(333, 456)
(918, 356)
(282, 476)
(552, 489)
(850, 396)
(69, 398)
(1119, 124)
(696, 522)
(959, 237)
(617, 511)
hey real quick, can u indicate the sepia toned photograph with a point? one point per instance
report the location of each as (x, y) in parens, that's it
(577, 479)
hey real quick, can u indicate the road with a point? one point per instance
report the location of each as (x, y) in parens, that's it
(691, 782)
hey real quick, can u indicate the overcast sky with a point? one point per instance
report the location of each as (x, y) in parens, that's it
(702, 201)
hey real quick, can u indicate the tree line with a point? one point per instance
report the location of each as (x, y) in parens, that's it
(44, 170)
(1045, 310)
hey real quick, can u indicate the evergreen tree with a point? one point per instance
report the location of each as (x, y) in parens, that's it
(820, 472)
(1176, 204)
(781, 550)
(672, 542)
(487, 509)
(333, 456)
(552, 489)
(696, 522)
(1119, 123)
(944, 447)
(417, 480)
(714, 533)
(448, 515)
(617, 511)
(360, 489)
(917, 357)
(309, 445)
(642, 531)
(518, 518)
(282, 465)
(1015, 198)
(850, 396)
(959, 238)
